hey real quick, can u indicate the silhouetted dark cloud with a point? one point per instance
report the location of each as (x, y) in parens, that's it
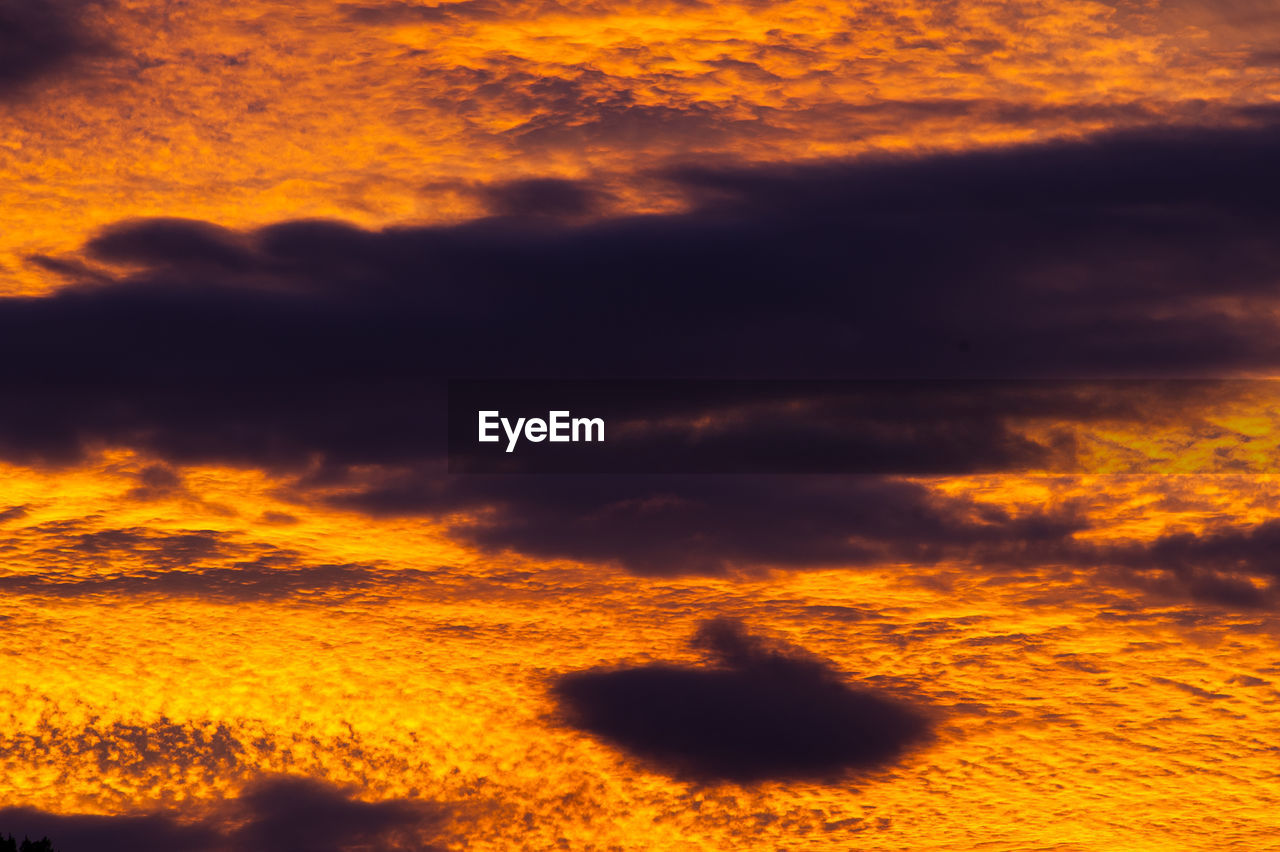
(305, 815)
(1232, 565)
(757, 713)
(309, 338)
(303, 338)
(713, 524)
(279, 814)
(42, 37)
(178, 243)
(316, 347)
(708, 524)
(94, 833)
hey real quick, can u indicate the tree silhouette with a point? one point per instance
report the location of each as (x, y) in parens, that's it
(9, 844)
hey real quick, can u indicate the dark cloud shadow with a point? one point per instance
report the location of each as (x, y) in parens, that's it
(714, 524)
(319, 349)
(14, 513)
(393, 13)
(93, 833)
(757, 713)
(306, 339)
(1229, 565)
(279, 814)
(41, 38)
(305, 815)
(544, 197)
(156, 482)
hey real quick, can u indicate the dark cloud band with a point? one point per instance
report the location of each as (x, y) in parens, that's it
(1113, 257)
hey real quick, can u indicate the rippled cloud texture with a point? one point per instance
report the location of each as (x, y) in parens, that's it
(246, 606)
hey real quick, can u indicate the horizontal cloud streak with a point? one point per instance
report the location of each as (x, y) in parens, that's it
(282, 813)
(1135, 254)
(712, 524)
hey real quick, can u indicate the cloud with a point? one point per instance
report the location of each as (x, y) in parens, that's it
(241, 582)
(281, 814)
(135, 755)
(416, 13)
(71, 562)
(713, 524)
(163, 549)
(182, 243)
(156, 482)
(39, 38)
(615, 121)
(865, 427)
(758, 713)
(14, 513)
(93, 833)
(319, 349)
(551, 197)
(1133, 254)
(1231, 565)
(305, 815)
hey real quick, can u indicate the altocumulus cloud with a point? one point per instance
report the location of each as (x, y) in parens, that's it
(75, 561)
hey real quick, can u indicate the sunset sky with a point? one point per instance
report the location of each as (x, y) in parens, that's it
(1026, 598)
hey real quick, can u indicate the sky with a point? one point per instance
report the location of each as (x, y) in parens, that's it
(1004, 579)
